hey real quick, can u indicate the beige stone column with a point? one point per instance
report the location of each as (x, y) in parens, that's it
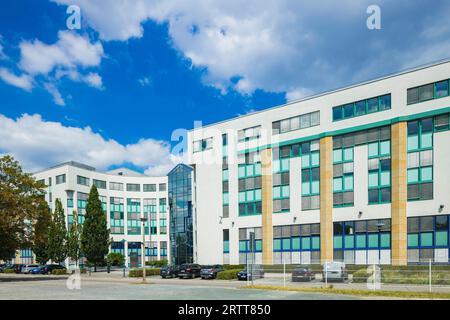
(326, 199)
(399, 194)
(267, 207)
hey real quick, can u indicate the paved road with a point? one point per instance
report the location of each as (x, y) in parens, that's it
(92, 290)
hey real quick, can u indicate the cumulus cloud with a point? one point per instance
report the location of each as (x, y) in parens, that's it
(280, 45)
(72, 56)
(37, 144)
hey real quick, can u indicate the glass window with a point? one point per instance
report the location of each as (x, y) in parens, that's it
(360, 241)
(360, 108)
(426, 239)
(372, 105)
(315, 118)
(373, 179)
(373, 149)
(413, 159)
(348, 110)
(373, 240)
(413, 95)
(426, 92)
(337, 184)
(295, 123)
(442, 89)
(441, 122)
(426, 174)
(413, 240)
(385, 147)
(305, 121)
(442, 238)
(348, 154)
(413, 175)
(337, 113)
(385, 102)
(413, 127)
(337, 155)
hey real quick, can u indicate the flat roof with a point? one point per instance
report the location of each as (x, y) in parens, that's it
(391, 75)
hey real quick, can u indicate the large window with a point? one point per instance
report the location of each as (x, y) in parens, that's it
(249, 133)
(203, 145)
(379, 164)
(296, 238)
(133, 187)
(149, 187)
(427, 92)
(420, 159)
(295, 123)
(116, 214)
(83, 180)
(116, 186)
(363, 107)
(100, 184)
(281, 189)
(60, 179)
(133, 216)
(249, 185)
(343, 180)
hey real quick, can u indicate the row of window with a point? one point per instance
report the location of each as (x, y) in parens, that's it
(427, 92)
(295, 123)
(362, 107)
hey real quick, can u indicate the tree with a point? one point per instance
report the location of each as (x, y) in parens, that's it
(20, 196)
(41, 233)
(95, 235)
(115, 259)
(57, 240)
(73, 239)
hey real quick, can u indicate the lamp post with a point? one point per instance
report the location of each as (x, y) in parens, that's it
(143, 220)
(380, 226)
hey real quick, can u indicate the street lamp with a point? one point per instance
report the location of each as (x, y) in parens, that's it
(143, 220)
(380, 226)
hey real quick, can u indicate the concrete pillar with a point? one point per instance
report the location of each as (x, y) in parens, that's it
(326, 199)
(399, 193)
(267, 206)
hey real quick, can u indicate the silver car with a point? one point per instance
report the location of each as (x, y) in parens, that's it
(334, 271)
(28, 267)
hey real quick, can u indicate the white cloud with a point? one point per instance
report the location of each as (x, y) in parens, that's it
(297, 94)
(277, 45)
(70, 51)
(2, 54)
(72, 56)
(53, 90)
(37, 144)
(145, 81)
(23, 81)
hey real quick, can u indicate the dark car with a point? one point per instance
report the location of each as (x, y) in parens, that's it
(210, 272)
(169, 271)
(3, 267)
(302, 274)
(189, 270)
(254, 273)
(47, 269)
(38, 270)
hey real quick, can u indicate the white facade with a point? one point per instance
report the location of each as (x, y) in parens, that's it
(208, 163)
(70, 188)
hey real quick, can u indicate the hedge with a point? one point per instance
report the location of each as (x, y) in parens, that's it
(234, 266)
(361, 276)
(137, 273)
(157, 263)
(9, 271)
(229, 274)
(58, 272)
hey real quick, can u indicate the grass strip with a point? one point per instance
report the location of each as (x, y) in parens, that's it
(353, 292)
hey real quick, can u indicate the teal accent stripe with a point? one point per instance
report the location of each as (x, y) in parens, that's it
(352, 129)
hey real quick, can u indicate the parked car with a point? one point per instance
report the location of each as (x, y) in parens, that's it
(210, 272)
(169, 271)
(302, 274)
(256, 272)
(334, 271)
(4, 266)
(189, 270)
(38, 270)
(47, 269)
(28, 267)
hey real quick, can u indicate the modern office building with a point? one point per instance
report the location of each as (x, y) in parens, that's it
(126, 196)
(360, 174)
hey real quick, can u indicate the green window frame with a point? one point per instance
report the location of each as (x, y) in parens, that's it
(362, 107)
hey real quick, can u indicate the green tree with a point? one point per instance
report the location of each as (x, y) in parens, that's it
(115, 259)
(57, 240)
(74, 239)
(95, 235)
(41, 233)
(20, 196)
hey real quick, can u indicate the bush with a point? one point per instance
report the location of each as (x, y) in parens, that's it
(229, 274)
(234, 266)
(9, 271)
(157, 263)
(360, 276)
(115, 259)
(59, 272)
(137, 273)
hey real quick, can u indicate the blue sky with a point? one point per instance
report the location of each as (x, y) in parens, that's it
(112, 92)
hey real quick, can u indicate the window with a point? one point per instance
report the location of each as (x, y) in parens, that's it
(203, 145)
(343, 183)
(60, 179)
(83, 181)
(420, 159)
(162, 187)
(249, 187)
(428, 92)
(379, 164)
(116, 186)
(116, 208)
(100, 184)
(299, 122)
(132, 187)
(249, 133)
(149, 188)
(361, 108)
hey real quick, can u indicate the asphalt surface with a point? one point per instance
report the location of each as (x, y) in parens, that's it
(97, 290)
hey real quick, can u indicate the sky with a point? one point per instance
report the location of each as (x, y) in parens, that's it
(112, 92)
